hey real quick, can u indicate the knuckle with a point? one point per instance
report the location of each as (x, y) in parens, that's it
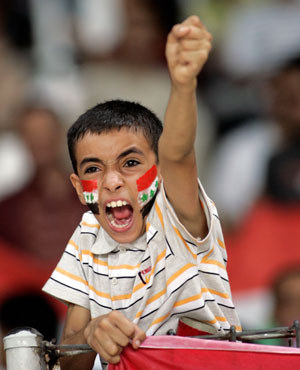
(97, 332)
(104, 324)
(113, 314)
(172, 32)
(129, 331)
(114, 349)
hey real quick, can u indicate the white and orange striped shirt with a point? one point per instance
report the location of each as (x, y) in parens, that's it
(163, 276)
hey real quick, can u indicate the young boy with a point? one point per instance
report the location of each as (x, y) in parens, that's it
(150, 251)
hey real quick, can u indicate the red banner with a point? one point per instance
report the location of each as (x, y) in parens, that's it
(178, 353)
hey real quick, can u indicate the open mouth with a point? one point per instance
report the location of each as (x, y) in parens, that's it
(119, 214)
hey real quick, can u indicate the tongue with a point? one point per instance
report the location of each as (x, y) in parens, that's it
(121, 212)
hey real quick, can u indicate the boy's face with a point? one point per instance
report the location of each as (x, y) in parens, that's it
(116, 160)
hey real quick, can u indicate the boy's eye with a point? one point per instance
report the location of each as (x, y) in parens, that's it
(91, 170)
(131, 163)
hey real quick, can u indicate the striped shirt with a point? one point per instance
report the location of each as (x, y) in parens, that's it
(164, 275)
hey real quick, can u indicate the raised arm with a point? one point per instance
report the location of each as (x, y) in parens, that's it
(187, 50)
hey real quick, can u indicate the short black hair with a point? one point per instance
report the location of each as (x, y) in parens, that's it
(114, 115)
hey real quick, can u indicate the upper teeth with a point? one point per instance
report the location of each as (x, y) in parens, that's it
(118, 203)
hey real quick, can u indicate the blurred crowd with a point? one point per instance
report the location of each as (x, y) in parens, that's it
(59, 57)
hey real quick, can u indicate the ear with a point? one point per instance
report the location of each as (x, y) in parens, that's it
(75, 180)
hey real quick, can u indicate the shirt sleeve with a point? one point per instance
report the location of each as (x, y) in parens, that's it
(214, 239)
(68, 281)
(172, 217)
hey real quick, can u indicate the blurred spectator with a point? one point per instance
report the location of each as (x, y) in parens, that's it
(286, 291)
(255, 184)
(251, 40)
(15, 40)
(238, 172)
(39, 218)
(266, 243)
(285, 295)
(283, 177)
(31, 309)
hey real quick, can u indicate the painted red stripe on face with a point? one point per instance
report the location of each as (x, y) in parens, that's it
(146, 180)
(89, 185)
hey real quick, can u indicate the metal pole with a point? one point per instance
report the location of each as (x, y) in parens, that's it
(24, 350)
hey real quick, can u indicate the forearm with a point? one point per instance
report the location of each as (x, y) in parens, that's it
(106, 334)
(84, 361)
(177, 140)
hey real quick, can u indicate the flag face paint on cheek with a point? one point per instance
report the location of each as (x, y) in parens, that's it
(90, 190)
(90, 193)
(147, 186)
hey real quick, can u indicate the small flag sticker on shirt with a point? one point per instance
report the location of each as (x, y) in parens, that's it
(147, 186)
(145, 275)
(90, 190)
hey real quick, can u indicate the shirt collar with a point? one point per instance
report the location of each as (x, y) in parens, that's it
(105, 244)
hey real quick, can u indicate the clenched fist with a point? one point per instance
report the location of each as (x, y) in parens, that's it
(187, 50)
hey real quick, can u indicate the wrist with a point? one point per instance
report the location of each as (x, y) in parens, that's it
(184, 87)
(183, 93)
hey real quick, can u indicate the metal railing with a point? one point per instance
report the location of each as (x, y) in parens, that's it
(292, 332)
(26, 349)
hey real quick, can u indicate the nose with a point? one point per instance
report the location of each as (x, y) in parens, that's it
(112, 180)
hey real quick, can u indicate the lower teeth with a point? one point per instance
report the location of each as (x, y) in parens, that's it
(117, 225)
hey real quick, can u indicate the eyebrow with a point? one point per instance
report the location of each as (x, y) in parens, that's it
(130, 151)
(120, 156)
